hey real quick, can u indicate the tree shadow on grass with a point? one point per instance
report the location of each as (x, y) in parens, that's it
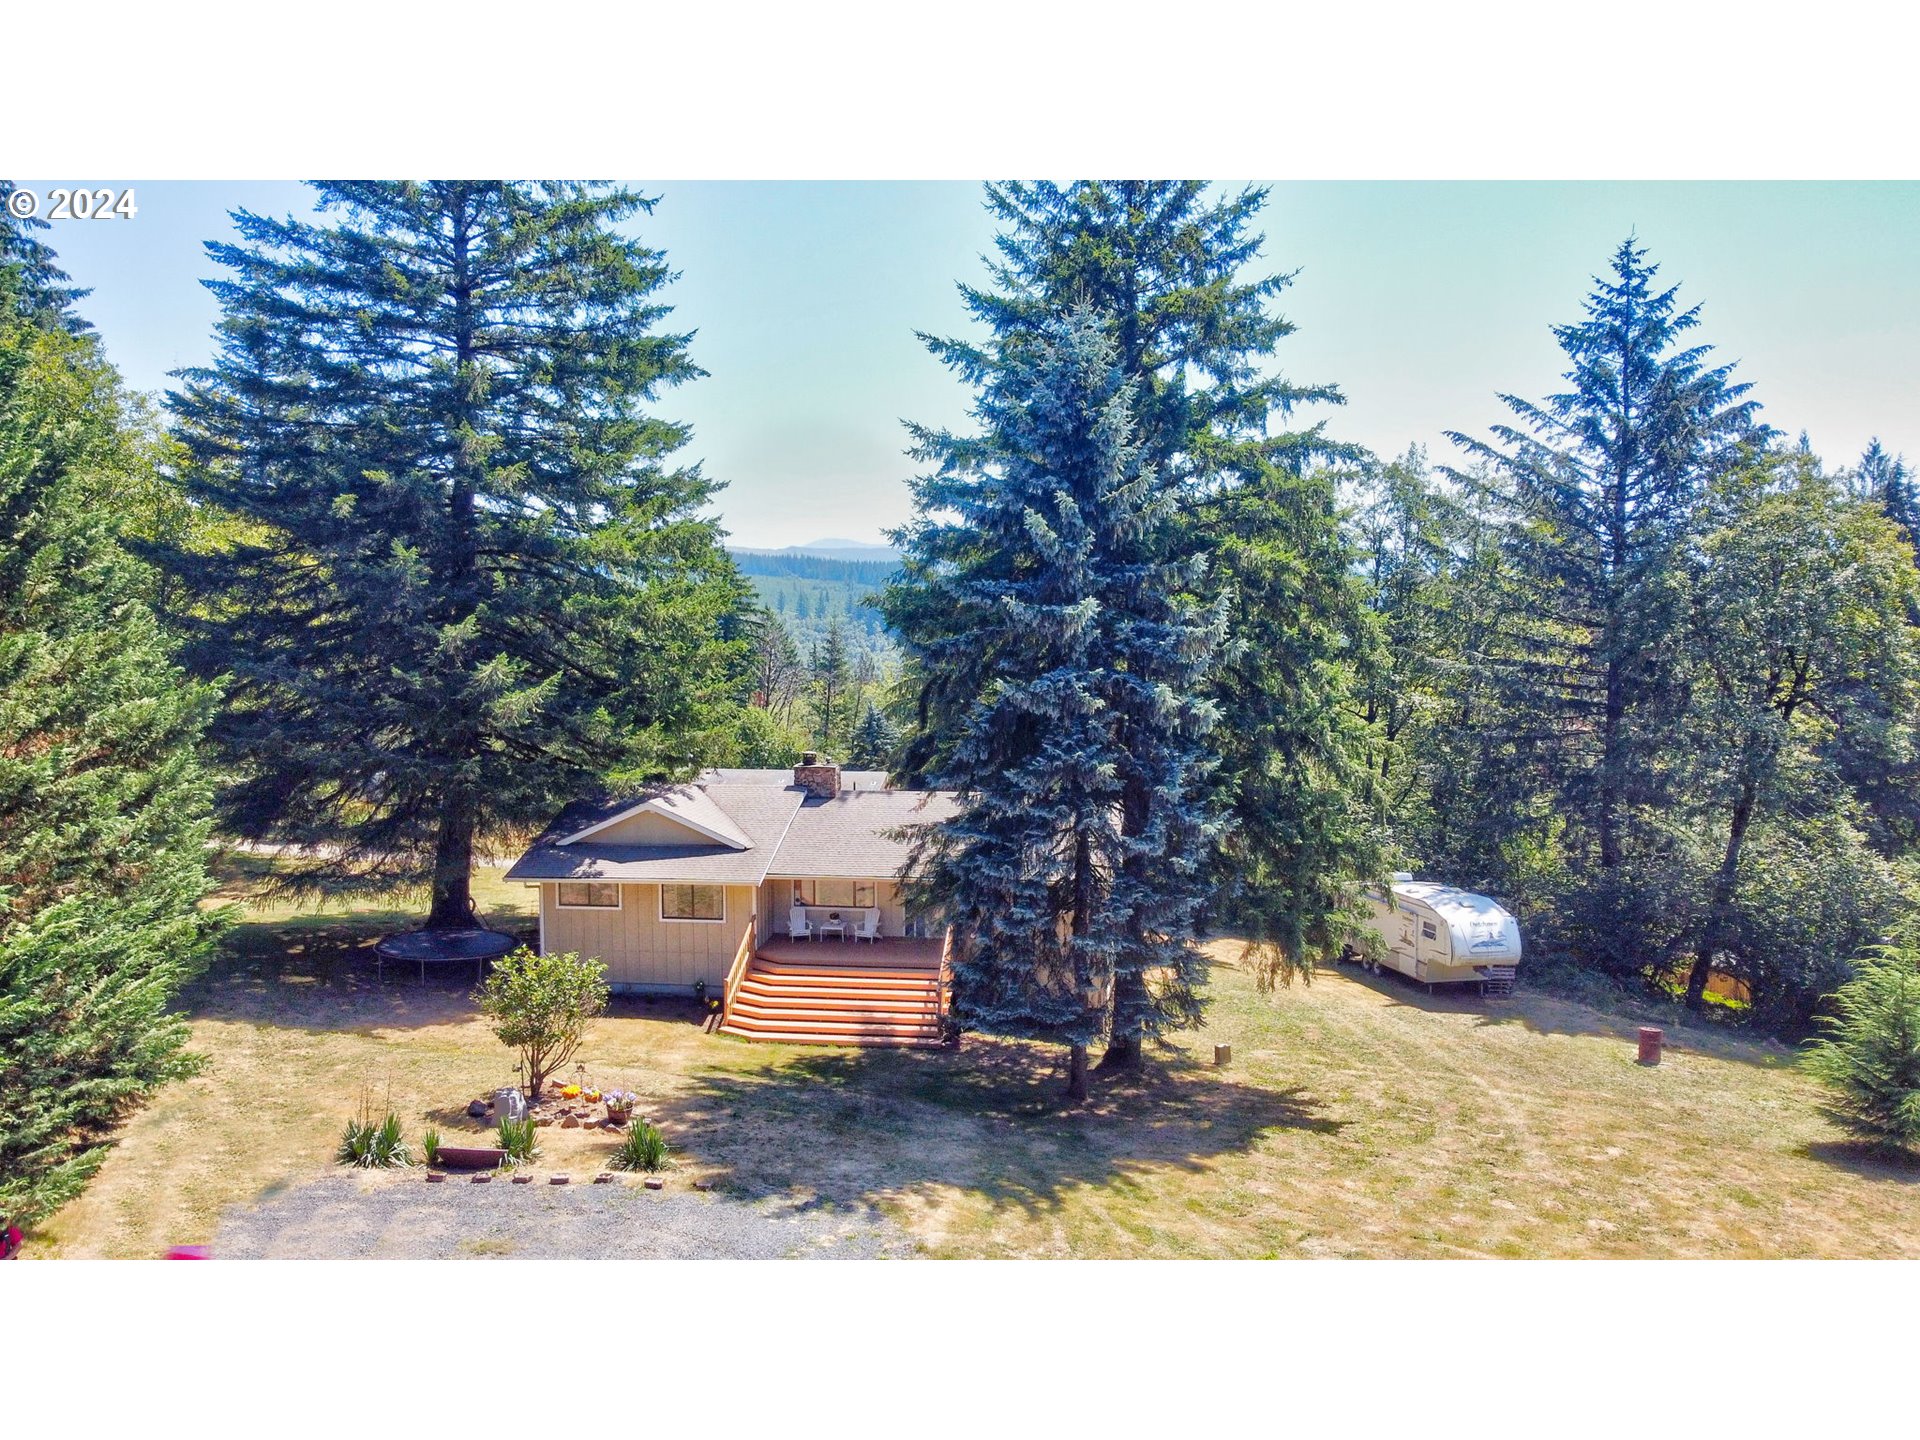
(1870, 1162)
(319, 973)
(844, 1127)
(1612, 1015)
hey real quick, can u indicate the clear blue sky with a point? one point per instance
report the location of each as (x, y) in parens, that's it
(1421, 300)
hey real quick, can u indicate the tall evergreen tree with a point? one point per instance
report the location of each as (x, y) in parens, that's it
(1888, 481)
(1595, 492)
(1164, 263)
(871, 747)
(1036, 601)
(103, 800)
(40, 290)
(478, 581)
(830, 683)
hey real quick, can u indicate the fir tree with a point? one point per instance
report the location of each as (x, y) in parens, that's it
(103, 801)
(1871, 1058)
(1888, 481)
(1165, 263)
(1595, 492)
(1037, 605)
(39, 289)
(873, 740)
(830, 678)
(478, 583)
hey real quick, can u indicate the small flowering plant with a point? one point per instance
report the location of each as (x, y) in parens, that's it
(620, 1103)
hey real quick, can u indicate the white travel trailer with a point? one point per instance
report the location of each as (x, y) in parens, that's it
(1442, 936)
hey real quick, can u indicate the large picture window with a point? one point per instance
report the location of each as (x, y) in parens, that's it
(854, 894)
(693, 902)
(588, 895)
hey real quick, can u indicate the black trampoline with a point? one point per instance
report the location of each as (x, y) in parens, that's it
(440, 947)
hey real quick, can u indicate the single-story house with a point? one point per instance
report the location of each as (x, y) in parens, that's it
(776, 872)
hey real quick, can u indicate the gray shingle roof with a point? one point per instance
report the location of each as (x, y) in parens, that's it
(790, 832)
(847, 837)
(759, 812)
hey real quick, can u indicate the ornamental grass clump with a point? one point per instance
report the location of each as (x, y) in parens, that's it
(516, 1137)
(1871, 1059)
(642, 1148)
(373, 1146)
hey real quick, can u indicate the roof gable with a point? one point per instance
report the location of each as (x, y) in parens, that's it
(679, 816)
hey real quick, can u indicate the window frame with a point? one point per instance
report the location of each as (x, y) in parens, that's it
(805, 893)
(690, 886)
(560, 901)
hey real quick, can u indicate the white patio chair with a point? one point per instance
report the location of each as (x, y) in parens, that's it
(869, 927)
(797, 926)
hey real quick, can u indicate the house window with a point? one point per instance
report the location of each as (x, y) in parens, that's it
(854, 894)
(588, 895)
(693, 902)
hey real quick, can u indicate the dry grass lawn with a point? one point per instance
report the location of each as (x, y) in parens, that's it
(1359, 1118)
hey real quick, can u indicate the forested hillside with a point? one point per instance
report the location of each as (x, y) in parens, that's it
(805, 592)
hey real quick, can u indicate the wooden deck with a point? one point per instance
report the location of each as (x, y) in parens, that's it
(882, 954)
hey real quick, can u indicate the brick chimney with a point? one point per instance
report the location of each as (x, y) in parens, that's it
(817, 775)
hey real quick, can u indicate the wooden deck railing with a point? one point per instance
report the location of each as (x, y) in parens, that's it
(946, 978)
(742, 958)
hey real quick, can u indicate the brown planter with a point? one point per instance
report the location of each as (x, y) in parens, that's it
(473, 1157)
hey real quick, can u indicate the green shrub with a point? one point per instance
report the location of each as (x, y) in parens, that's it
(373, 1146)
(642, 1148)
(541, 1006)
(1872, 1058)
(517, 1139)
(430, 1147)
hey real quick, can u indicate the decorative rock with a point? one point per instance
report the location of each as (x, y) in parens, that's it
(557, 1179)
(434, 1177)
(483, 1178)
(543, 1121)
(605, 1177)
(572, 1122)
(478, 1109)
(654, 1182)
(703, 1185)
(523, 1179)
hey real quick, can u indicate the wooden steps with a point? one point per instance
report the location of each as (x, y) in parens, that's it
(835, 1004)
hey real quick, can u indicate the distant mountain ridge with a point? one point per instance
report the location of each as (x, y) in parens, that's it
(829, 549)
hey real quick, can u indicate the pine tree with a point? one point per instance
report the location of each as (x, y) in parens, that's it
(1595, 492)
(479, 582)
(1036, 604)
(873, 740)
(1164, 262)
(103, 801)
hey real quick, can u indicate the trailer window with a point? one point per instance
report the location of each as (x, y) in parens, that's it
(1428, 931)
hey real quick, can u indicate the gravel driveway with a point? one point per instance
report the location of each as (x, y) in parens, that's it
(351, 1217)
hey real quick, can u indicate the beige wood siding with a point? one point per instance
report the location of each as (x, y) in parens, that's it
(650, 828)
(639, 948)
